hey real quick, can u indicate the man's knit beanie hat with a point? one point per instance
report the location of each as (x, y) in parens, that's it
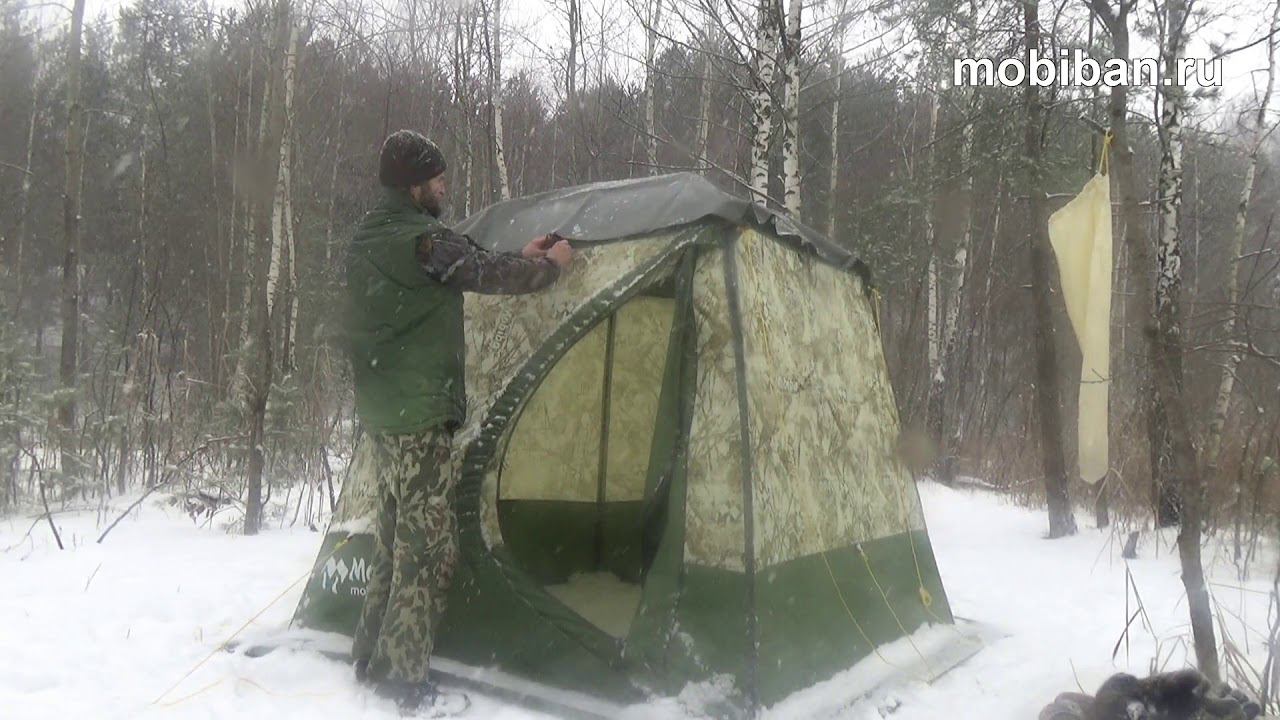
(408, 158)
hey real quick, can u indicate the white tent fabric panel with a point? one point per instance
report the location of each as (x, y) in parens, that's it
(823, 421)
(713, 526)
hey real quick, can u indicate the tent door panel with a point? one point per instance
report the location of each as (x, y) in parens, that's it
(571, 492)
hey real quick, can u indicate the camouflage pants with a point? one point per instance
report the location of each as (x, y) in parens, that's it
(415, 551)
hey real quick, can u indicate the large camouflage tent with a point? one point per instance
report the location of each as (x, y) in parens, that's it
(678, 464)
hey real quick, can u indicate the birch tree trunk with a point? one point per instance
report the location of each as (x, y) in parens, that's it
(946, 354)
(24, 204)
(233, 254)
(1172, 397)
(791, 114)
(495, 97)
(933, 310)
(949, 441)
(142, 378)
(651, 86)
(982, 322)
(1226, 384)
(281, 295)
(767, 37)
(461, 78)
(270, 151)
(933, 335)
(833, 183)
(1169, 500)
(240, 376)
(1222, 402)
(68, 365)
(704, 94)
(213, 310)
(1160, 346)
(571, 74)
(289, 362)
(1061, 518)
(330, 219)
(571, 85)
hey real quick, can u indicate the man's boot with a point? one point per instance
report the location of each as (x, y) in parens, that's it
(422, 699)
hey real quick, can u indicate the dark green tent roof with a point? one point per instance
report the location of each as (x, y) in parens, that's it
(603, 211)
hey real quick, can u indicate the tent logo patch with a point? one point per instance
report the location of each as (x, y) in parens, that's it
(337, 571)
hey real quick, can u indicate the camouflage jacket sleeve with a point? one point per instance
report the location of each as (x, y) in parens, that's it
(458, 262)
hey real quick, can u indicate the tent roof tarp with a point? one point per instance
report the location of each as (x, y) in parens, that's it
(607, 211)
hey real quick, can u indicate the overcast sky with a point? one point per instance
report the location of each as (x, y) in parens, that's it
(536, 31)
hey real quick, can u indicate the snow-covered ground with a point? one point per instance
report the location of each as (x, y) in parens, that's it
(106, 631)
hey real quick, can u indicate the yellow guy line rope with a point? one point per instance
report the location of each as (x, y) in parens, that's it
(892, 612)
(223, 645)
(246, 681)
(822, 553)
(926, 599)
(185, 698)
(253, 683)
(849, 612)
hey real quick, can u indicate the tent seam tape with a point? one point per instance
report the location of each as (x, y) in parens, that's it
(731, 243)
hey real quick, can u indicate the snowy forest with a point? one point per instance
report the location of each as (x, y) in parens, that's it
(180, 179)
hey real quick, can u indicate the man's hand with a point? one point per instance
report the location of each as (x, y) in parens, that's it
(561, 254)
(539, 246)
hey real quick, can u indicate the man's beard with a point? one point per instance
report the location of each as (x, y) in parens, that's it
(427, 202)
(432, 206)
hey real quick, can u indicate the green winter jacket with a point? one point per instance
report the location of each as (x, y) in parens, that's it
(405, 329)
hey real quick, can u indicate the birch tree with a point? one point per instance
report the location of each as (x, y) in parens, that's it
(281, 296)
(704, 88)
(1168, 497)
(24, 203)
(1161, 344)
(571, 80)
(945, 355)
(254, 220)
(1172, 395)
(768, 32)
(837, 71)
(68, 367)
(933, 289)
(651, 85)
(462, 50)
(494, 40)
(271, 152)
(791, 112)
(1260, 132)
(211, 57)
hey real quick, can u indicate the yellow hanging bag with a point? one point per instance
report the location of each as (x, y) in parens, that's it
(1080, 234)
